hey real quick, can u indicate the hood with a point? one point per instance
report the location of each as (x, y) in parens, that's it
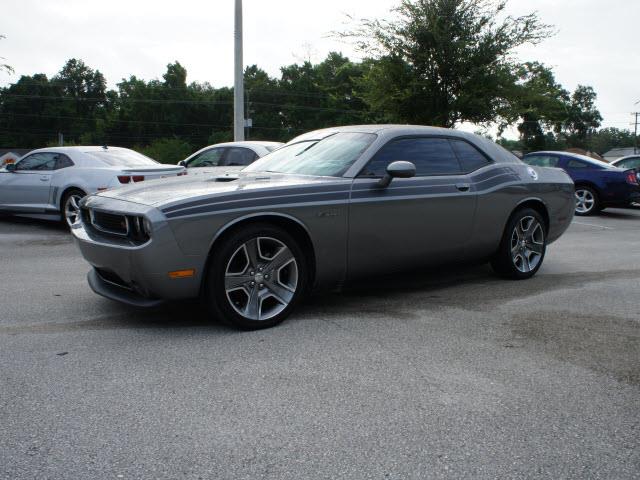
(174, 191)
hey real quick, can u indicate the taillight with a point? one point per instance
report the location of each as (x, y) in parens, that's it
(138, 178)
(124, 178)
(632, 177)
(181, 174)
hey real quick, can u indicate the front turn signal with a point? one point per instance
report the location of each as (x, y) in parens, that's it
(183, 273)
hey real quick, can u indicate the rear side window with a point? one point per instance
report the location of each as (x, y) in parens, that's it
(471, 159)
(431, 156)
(542, 160)
(237, 156)
(122, 158)
(577, 164)
(63, 162)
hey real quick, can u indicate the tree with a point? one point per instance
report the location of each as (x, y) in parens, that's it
(4, 66)
(538, 105)
(583, 117)
(607, 138)
(441, 62)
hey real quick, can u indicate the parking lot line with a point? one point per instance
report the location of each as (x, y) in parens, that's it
(595, 226)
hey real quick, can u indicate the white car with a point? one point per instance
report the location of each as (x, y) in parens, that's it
(223, 157)
(48, 183)
(631, 161)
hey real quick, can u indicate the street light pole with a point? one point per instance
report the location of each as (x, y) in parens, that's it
(238, 106)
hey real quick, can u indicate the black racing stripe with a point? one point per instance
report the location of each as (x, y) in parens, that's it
(256, 202)
(262, 193)
(376, 193)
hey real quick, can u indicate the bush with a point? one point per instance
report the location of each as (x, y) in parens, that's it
(167, 150)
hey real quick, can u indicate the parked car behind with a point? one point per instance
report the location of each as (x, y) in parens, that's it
(227, 156)
(631, 161)
(50, 182)
(598, 184)
(332, 206)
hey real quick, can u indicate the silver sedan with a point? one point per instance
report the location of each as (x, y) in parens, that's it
(48, 183)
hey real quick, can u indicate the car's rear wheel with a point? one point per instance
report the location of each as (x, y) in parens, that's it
(523, 246)
(256, 277)
(587, 202)
(71, 206)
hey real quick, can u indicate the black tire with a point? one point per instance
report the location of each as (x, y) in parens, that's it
(589, 208)
(514, 259)
(229, 254)
(73, 193)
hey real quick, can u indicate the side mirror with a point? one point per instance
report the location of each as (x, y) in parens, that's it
(10, 167)
(182, 163)
(400, 169)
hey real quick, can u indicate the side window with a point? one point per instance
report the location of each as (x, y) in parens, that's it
(37, 161)
(542, 160)
(62, 161)
(630, 163)
(471, 159)
(238, 156)
(208, 158)
(431, 156)
(577, 164)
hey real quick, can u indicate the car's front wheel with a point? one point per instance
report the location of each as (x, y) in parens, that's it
(523, 246)
(256, 277)
(71, 206)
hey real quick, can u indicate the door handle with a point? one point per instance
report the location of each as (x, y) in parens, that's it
(44, 178)
(463, 187)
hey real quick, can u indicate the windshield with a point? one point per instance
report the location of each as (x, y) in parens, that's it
(330, 157)
(122, 158)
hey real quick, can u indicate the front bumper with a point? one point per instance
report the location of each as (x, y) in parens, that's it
(137, 274)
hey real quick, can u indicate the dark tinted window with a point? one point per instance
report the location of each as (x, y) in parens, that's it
(208, 158)
(431, 156)
(577, 164)
(38, 161)
(237, 156)
(541, 160)
(471, 159)
(63, 162)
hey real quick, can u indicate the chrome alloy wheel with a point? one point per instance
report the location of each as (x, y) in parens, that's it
(585, 201)
(261, 278)
(527, 244)
(72, 209)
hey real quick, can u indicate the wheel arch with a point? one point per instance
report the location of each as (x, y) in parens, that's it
(292, 225)
(536, 204)
(66, 190)
(590, 184)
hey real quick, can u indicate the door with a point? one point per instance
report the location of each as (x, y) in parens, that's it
(415, 221)
(27, 188)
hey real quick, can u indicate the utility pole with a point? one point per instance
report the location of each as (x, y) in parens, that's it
(238, 106)
(635, 133)
(60, 139)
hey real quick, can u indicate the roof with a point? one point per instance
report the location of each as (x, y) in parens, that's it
(616, 153)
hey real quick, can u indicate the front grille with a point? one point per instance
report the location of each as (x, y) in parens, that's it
(110, 222)
(133, 228)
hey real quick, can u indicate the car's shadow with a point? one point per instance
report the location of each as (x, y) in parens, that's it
(45, 226)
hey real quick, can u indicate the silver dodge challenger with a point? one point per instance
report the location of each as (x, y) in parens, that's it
(329, 207)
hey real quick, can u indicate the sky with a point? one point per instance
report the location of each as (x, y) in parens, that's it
(596, 42)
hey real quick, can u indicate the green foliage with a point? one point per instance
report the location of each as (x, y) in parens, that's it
(440, 62)
(607, 138)
(3, 66)
(167, 150)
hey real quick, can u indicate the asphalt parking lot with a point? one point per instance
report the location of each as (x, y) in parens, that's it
(451, 373)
